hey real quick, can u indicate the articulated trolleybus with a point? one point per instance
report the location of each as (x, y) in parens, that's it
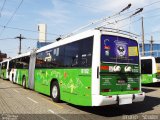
(150, 69)
(19, 69)
(4, 73)
(93, 68)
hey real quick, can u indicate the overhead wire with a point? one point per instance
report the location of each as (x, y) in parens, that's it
(48, 40)
(6, 39)
(2, 8)
(5, 26)
(14, 13)
(27, 30)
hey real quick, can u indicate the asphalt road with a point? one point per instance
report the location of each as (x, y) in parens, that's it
(17, 103)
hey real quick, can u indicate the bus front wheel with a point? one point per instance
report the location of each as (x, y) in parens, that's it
(55, 92)
(24, 82)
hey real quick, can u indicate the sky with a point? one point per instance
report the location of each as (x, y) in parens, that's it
(64, 16)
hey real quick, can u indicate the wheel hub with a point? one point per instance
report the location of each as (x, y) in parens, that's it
(54, 92)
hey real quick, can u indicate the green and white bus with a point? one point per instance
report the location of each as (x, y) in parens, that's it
(150, 69)
(19, 69)
(93, 68)
(0, 68)
(5, 69)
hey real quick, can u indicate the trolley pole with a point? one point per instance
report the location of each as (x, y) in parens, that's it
(20, 42)
(151, 47)
(143, 50)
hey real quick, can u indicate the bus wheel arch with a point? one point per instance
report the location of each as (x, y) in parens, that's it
(24, 81)
(55, 90)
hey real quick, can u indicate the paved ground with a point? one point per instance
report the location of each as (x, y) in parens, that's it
(17, 103)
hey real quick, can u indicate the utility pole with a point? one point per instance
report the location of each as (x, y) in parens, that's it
(151, 46)
(143, 50)
(20, 42)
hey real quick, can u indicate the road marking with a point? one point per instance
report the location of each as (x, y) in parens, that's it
(32, 100)
(16, 91)
(56, 114)
(53, 103)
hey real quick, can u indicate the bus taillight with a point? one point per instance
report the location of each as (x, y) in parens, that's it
(106, 90)
(135, 88)
(104, 67)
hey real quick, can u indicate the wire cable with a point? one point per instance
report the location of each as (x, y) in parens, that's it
(14, 13)
(2, 8)
(5, 39)
(27, 30)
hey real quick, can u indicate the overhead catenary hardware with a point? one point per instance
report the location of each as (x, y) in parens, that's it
(104, 20)
(99, 21)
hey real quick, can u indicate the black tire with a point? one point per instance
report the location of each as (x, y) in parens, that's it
(54, 88)
(24, 82)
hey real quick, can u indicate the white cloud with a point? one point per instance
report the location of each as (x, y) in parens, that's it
(58, 14)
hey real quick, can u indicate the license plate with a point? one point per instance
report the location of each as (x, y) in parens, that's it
(125, 99)
(121, 81)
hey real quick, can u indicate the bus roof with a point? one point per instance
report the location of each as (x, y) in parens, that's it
(70, 39)
(89, 33)
(147, 57)
(6, 60)
(21, 55)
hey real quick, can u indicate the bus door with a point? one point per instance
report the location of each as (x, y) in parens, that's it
(31, 70)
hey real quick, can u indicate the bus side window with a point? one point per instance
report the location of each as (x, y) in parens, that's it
(58, 57)
(71, 54)
(40, 63)
(86, 52)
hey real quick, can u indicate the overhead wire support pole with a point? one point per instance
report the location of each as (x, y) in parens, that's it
(20, 42)
(143, 49)
(151, 47)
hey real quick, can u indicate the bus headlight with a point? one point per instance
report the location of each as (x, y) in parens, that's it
(128, 69)
(116, 68)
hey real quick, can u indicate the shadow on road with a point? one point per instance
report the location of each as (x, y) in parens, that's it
(146, 90)
(152, 84)
(115, 110)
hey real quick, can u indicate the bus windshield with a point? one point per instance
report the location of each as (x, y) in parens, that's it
(158, 64)
(115, 49)
(146, 66)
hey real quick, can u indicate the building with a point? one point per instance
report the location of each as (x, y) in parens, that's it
(149, 52)
(42, 28)
(2, 56)
(41, 44)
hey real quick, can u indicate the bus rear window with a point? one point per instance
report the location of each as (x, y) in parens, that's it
(157, 60)
(115, 49)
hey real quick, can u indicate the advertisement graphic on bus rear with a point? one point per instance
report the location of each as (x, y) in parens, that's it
(118, 49)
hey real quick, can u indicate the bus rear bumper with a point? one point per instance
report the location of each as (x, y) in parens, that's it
(99, 100)
(138, 97)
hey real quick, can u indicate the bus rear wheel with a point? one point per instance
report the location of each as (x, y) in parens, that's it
(55, 92)
(24, 82)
